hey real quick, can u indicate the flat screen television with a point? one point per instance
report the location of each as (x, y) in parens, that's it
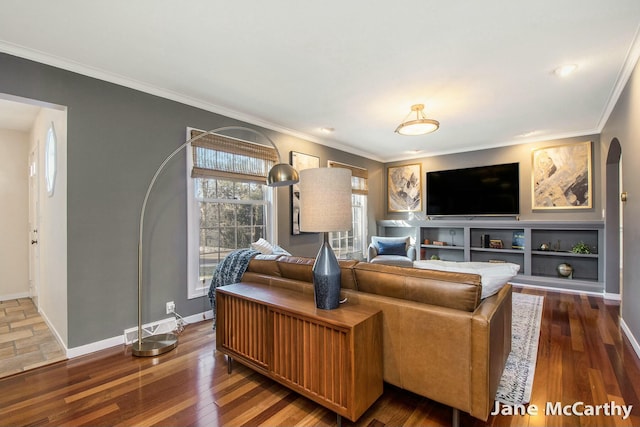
(484, 190)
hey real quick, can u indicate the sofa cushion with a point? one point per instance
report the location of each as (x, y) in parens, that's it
(399, 260)
(296, 268)
(347, 278)
(264, 264)
(301, 268)
(460, 291)
(494, 275)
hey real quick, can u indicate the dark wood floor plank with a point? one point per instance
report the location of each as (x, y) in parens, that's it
(582, 356)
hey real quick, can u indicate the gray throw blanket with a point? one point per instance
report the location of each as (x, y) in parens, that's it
(229, 271)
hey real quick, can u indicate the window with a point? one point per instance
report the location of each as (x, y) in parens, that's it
(50, 160)
(352, 244)
(230, 205)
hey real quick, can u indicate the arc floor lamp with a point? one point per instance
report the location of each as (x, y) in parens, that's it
(279, 175)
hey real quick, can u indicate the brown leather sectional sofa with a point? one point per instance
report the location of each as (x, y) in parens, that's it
(440, 339)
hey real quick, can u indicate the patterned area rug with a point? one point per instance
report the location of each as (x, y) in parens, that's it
(517, 378)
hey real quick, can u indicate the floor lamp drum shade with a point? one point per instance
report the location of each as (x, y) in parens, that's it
(325, 206)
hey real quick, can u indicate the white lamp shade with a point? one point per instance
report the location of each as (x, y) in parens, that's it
(325, 200)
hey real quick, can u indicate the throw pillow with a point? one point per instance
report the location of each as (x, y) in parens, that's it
(277, 250)
(262, 246)
(392, 248)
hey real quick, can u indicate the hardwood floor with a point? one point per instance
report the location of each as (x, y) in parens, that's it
(582, 356)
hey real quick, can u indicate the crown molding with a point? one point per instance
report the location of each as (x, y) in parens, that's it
(96, 73)
(621, 82)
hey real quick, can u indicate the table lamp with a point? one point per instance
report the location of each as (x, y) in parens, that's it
(325, 206)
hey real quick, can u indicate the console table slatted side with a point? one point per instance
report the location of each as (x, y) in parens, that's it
(244, 327)
(323, 351)
(333, 357)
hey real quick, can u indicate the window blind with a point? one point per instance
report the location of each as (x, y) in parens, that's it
(359, 177)
(223, 157)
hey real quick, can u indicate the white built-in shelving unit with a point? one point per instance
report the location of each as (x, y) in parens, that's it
(463, 240)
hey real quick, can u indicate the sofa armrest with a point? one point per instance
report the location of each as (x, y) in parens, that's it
(491, 345)
(372, 252)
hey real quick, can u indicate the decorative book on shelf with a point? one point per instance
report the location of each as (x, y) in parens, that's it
(518, 240)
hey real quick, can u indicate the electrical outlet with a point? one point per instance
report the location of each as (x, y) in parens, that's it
(171, 307)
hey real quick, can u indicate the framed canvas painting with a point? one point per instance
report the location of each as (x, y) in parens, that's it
(561, 177)
(404, 188)
(300, 162)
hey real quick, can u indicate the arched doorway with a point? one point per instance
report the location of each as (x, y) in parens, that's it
(613, 221)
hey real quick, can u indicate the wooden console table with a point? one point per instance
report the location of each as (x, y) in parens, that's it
(333, 357)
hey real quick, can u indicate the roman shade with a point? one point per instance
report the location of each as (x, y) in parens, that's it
(224, 157)
(359, 177)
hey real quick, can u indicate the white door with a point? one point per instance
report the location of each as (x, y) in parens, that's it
(34, 216)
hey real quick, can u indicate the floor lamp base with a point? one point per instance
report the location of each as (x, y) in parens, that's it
(155, 345)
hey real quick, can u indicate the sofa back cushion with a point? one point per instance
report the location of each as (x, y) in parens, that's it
(459, 291)
(264, 264)
(297, 268)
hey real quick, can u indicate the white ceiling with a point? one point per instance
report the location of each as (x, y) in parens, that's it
(483, 69)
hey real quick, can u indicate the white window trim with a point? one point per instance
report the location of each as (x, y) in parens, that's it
(363, 228)
(195, 288)
(364, 225)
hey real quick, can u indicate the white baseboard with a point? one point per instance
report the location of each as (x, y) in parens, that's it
(612, 297)
(161, 326)
(207, 315)
(14, 296)
(119, 340)
(95, 346)
(629, 334)
(607, 296)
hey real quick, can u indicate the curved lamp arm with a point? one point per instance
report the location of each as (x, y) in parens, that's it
(280, 174)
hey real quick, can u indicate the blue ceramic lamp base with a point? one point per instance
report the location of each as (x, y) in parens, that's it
(326, 277)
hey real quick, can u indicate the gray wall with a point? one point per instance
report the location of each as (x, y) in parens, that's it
(522, 155)
(117, 137)
(624, 125)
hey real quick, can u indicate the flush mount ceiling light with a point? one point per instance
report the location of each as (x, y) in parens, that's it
(420, 125)
(528, 134)
(565, 70)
